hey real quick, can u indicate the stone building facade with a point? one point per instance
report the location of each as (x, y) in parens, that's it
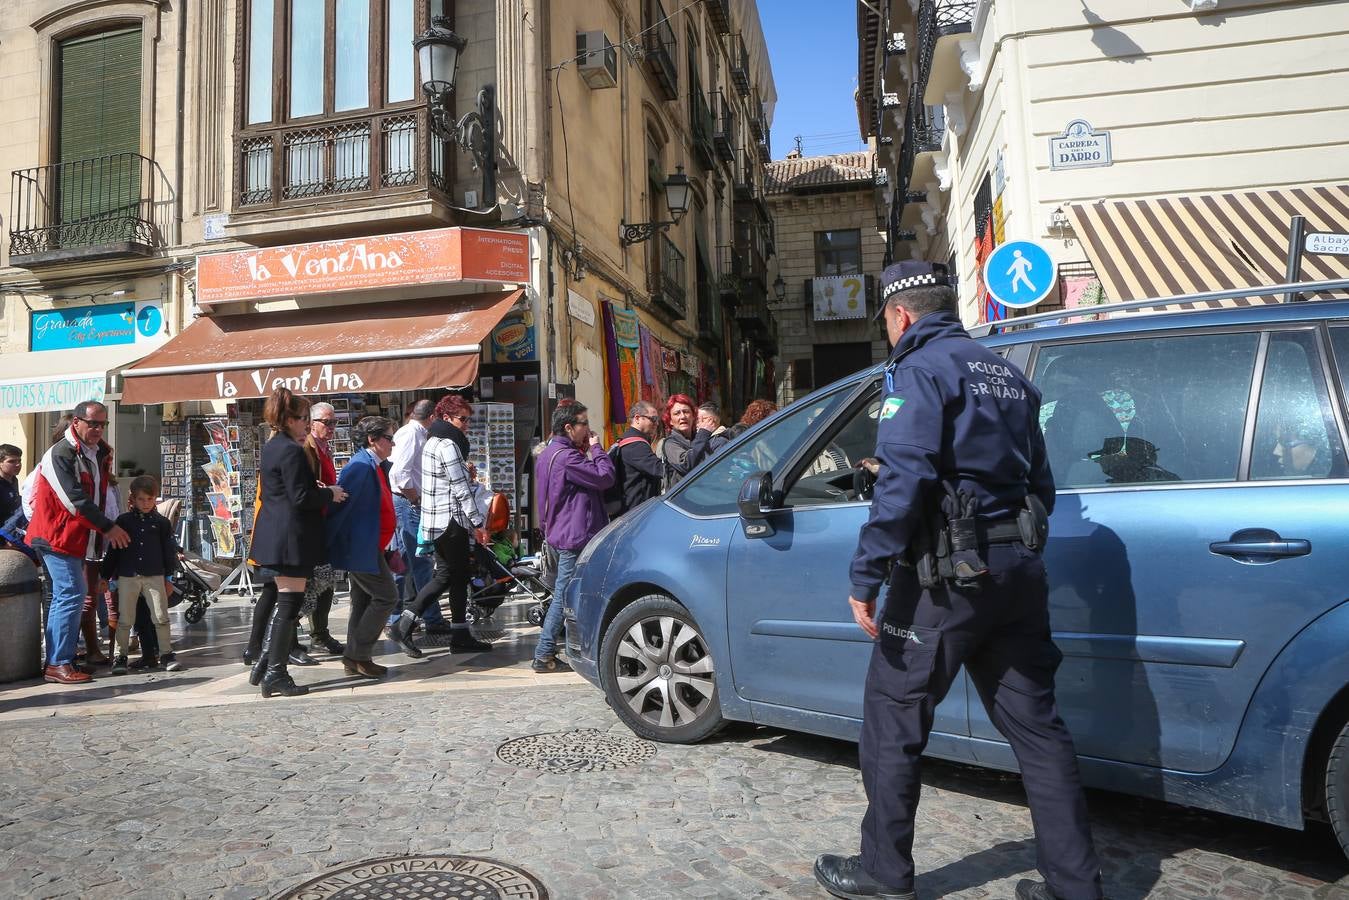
(824, 209)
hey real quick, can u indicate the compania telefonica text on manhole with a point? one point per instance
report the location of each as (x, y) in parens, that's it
(583, 750)
(422, 878)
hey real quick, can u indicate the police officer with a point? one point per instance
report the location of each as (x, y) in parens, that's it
(960, 448)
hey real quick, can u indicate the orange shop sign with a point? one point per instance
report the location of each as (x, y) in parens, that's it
(361, 264)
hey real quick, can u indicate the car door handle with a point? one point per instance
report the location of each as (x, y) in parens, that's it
(1260, 543)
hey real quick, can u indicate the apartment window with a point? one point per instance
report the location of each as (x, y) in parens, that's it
(311, 58)
(838, 252)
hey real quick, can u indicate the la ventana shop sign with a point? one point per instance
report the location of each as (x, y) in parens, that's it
(324, 379)
(97, 325)
(1079, 147)
(359, 264)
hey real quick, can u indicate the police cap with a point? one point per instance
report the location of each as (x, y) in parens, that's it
(910, 273)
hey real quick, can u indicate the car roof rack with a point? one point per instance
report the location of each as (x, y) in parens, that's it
(1059, 315)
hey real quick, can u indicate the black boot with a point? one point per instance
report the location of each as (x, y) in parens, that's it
(276, 678)
(401, 632)
(262, 623)
(259, 668)
(278, 681)
(299, 655)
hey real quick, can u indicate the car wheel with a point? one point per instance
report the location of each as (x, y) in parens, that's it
(658, 673)
(1337, 788)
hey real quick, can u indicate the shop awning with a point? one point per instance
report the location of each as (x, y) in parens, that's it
(46, 380)
(399, 346)
(1191, 243)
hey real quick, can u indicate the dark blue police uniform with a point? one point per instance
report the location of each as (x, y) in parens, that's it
(955, 412)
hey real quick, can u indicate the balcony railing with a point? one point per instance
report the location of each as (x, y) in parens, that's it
(709, 313)
(937, 19)
(660, 46)
(703, 127)
(765, 146)
(739, 64)
(723, 126)
(719, 14)
(746, 172)
(756, 116)
(339, 158)
(668, 277)
(749, 248)
(106, 206)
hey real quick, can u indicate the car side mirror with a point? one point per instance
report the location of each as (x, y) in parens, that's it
(756, 498)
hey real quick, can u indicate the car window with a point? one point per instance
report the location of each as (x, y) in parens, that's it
(1112, 410)
(713, 489)
(1295, 431)
(1339, 345)
(828, 477)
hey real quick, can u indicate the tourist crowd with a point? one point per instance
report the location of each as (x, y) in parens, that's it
(403, 521)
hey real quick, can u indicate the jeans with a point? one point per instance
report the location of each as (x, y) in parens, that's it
(63, 616)
(419, 567)
(552, 623)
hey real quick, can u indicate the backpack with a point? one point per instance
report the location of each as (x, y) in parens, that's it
(614, 502)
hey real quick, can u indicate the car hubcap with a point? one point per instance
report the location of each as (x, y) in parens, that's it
(664, 671)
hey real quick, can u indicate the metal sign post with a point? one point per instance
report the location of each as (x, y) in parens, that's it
(1296, 228)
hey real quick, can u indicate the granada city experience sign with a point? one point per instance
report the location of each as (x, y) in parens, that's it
(360, 264)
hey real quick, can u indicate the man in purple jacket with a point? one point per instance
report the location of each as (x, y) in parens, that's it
(572, 473)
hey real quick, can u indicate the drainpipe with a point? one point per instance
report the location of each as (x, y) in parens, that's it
(179, 125)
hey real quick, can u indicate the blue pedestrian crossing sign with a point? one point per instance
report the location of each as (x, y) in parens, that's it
(1020, 274)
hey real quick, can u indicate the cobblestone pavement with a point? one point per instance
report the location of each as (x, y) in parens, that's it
(244, 800)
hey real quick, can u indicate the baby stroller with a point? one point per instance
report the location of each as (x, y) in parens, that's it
(185, 582)
(501, 571)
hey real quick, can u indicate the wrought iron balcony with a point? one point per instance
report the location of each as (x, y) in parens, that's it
(97, 208)
(719, 14)
(756, 116)
(749, 249)
(765, 146)
(349, 157)
(739, 64)
(660, 48)
(703, 128)
(922, 134)
(723, 126)
(754, 317)
(938, 19)
(709, 313)
(746, 173)
(667, 277)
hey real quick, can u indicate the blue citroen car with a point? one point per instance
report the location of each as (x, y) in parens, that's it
(1198, 562)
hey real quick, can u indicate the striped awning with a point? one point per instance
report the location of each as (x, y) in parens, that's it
(1186, 244)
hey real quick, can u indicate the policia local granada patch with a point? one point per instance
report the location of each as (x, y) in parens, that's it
(891, 406)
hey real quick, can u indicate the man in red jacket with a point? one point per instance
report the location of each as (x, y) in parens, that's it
(67, 527)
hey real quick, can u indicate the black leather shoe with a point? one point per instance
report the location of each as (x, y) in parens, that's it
(1033, 890)
(299, 658)
(401, 633)
(843, 876)
(329, 643)
(278, 681)
(463, 642)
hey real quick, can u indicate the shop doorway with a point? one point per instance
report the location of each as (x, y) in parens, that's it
(835, 361)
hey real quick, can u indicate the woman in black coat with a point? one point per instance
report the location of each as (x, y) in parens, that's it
(288, 539)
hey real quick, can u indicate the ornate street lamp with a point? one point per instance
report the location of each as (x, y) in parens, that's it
(438, 51)
(677, 190)
(780, 289)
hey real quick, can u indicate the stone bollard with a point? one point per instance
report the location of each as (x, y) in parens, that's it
(20, 617)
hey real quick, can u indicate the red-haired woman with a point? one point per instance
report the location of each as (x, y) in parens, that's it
(686, 445)
(756, 412)
(288, 539)
(449, 513)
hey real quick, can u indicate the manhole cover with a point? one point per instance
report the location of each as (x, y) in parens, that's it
(422, 878)
(582, 750)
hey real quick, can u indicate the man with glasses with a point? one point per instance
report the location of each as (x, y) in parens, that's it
(69, 525)
(637, 469)
(572, 474)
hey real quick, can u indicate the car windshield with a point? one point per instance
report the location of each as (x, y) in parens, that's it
(713, 489)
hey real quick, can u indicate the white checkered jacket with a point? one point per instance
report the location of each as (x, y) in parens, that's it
(446, 494)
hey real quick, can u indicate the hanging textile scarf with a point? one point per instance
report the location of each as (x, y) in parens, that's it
(653, 375)
(615, 410)
(625, 325)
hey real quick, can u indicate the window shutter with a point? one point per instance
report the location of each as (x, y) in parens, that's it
(100, 110)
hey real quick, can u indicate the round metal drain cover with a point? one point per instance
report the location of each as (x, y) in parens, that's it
(422, 878)
(582, 750)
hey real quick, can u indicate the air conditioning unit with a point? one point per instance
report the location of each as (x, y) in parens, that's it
(597, 59)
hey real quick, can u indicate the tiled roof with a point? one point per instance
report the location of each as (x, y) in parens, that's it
(783, 176)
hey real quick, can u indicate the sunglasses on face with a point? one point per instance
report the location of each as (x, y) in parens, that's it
(95, 423)
(328, 422)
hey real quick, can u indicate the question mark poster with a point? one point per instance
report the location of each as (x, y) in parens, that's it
(839, 297)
